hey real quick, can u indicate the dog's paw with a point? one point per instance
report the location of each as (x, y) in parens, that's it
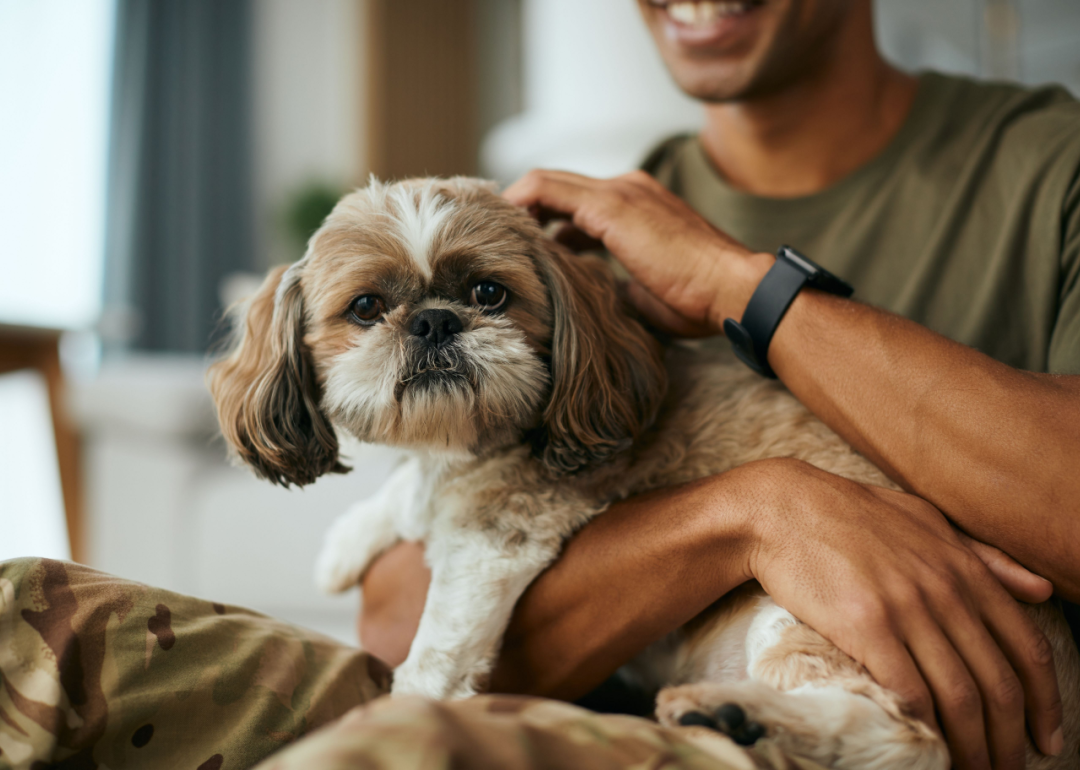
(714, 707)
(344, 555)
(334, 572)
(434, 674)
(410, 681)
(830, 725)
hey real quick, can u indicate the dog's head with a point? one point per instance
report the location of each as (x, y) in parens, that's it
(433, 314)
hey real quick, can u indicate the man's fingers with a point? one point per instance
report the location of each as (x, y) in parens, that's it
(1025, 646)
(1019, 581)
(892, 666)
(550, 194)
(1030, 654)
(591, 204)
(1000, 688)
(959, 703)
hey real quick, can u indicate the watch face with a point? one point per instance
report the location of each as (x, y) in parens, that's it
(799, 260)
(817, 276)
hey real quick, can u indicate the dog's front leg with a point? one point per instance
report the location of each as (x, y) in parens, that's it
(367, 529)
(474, 586)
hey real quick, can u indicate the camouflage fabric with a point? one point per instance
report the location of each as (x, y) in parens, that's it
(100, 672)
(515, 733)
(103, 672)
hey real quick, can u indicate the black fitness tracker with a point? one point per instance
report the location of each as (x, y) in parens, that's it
(771, 299)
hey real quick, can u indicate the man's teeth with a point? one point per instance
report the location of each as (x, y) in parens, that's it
(702, 13)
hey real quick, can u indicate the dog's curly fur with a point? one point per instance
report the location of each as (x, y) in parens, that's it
(527, 423)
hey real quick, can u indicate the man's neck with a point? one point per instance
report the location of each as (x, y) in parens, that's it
(809, 135)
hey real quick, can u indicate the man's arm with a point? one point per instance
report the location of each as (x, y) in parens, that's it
(996, 449)
(861, 369)
(879, 572)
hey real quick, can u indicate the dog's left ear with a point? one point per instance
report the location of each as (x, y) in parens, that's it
(608, 376)
(266, 393)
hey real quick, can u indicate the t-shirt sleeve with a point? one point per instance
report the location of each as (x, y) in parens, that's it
(1064, 355)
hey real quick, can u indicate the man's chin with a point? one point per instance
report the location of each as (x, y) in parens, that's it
(716, 85)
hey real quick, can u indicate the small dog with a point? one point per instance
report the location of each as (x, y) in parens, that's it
(433, 315)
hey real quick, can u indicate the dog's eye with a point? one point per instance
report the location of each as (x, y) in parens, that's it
(488, 295)
(368, 308)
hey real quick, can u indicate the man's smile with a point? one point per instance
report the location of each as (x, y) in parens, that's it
(706, 22)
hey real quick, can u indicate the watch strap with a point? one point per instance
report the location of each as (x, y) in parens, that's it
(751, 336)
(769, 303)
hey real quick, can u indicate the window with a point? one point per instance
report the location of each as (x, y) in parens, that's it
(55, 65)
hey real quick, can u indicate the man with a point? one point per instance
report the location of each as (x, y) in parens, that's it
(955, 206)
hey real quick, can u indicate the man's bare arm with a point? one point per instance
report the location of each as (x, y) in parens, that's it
(995, 448)
(879, 572)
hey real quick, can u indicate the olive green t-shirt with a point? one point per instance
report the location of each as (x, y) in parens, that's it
(967, 223)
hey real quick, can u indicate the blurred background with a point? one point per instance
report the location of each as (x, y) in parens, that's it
(157, 156)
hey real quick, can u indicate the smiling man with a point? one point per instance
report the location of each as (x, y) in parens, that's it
(953, 208)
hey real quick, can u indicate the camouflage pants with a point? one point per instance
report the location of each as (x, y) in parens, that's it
(99, 672)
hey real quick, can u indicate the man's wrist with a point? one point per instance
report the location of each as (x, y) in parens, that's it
(738, 278)
(740, 503)
(756, 492)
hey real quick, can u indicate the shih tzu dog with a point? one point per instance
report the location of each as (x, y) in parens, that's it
(433, 315)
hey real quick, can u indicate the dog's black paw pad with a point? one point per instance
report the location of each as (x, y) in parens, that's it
(730, 717)
(698, 719)
(748, 734)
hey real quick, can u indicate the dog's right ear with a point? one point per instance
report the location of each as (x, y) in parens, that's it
(266, 393)
(608, 375)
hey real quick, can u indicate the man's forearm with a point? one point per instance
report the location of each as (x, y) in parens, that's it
(645, 567)
(996, 449)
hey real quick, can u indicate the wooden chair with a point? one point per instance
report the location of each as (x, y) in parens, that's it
(25, 347)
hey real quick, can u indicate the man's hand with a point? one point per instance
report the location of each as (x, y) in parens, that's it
(992, 447)
(688, 275)
(880, 573)
(884, 576)
(928, 411)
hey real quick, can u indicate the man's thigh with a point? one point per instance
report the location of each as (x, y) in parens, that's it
(514, 733)
(101, 671)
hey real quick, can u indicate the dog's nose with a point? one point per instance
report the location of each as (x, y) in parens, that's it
(436, 326)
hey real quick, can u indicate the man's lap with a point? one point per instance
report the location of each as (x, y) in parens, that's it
(117, 673)
(101, 671)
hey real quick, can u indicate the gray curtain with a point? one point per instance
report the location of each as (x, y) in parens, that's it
(179, 198)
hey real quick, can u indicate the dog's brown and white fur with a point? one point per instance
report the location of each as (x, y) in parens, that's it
(524, 423)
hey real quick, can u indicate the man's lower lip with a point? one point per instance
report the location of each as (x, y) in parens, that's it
(713, 32)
